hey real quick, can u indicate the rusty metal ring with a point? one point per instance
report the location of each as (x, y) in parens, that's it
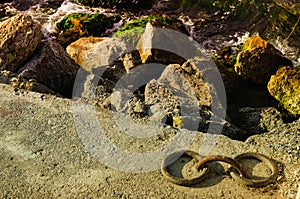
(221, 158)
(183, 181)
(256, 182)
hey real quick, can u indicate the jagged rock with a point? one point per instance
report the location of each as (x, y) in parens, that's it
(259, 120)
(52, 67)
(164, 46)
(185, 82)
(96, 53)
(179, 88)
(131, 60)
(285, 87)
(19, 38)
(258, 61)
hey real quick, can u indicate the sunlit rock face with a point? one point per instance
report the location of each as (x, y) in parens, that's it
(19, 38)
(258, 61)
(285, 87)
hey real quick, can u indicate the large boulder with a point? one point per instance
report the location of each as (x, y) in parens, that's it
(52, 67)
(258, 61)
(156, 44)
(164, 46)
(285, 87)
(94, 52)
(19, 38)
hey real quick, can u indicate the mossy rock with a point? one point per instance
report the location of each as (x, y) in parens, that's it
(132, 31)
(131, 4)
(284, 86)
(88, 24)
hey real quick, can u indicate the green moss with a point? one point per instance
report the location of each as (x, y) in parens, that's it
(137, 4)
(88, 24)
(132, 31)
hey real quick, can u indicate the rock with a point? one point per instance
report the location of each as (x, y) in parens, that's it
(8, 77)
(285, 87)
(19, 38)
(165, 6)
(88, 24)
(131, 60)
(239, 94)
(179, 88)
(5, 12)
(187, 81)
(52, 67)
(95, 53)
(258, 61)
(132, 32)
(259, 120)
(69, 36)
(152, 38)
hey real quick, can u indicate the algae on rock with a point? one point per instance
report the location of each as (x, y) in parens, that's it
(87, 24)
(284, 86)
(133, 30)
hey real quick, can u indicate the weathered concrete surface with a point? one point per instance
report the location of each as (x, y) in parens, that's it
(42, 156)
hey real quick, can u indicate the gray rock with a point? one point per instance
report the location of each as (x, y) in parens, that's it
(19, 38)
(52, 67)
(164, 46)
(179, 87)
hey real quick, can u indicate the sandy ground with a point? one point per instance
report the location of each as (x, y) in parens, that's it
(42, 156)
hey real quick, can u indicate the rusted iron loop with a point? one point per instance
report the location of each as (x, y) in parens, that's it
(183, 181)
(221, 158)
(256, 182)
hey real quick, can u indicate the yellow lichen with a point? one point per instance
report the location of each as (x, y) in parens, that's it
(254, 42)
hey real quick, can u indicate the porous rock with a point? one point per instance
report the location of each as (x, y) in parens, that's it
(180, 91)
(284, 86)
(19, 38)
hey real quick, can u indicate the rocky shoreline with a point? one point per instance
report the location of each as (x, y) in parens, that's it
(148, 71)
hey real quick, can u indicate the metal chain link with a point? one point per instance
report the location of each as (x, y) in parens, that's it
(237, 172)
